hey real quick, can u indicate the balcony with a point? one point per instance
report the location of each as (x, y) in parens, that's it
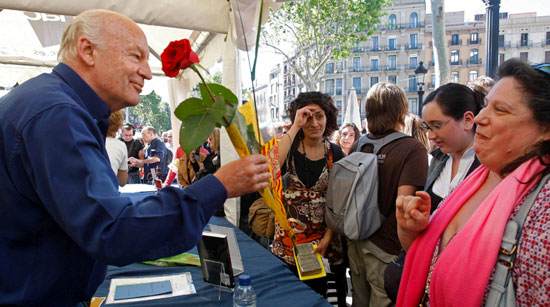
(472, 62)
(455, 63)
(413, 46)
(411, 89)
(527, 43)
(376, 49)
(455, 43)
(546, 42)
(392, 48)
(360, 49)
(507, 44)
(400, 26)
(475, 42)
(388, 67)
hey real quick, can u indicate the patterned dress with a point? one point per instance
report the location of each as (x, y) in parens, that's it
(305, 209)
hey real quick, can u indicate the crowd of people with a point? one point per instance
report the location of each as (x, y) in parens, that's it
(446, 194)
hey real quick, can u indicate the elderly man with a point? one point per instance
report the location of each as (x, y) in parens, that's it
(62, 219)
(155, 156)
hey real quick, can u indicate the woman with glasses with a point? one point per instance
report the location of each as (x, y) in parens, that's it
(448, 114)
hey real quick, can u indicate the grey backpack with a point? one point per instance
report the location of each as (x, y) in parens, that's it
(352, 195)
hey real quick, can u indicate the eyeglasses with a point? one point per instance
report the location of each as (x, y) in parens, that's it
(425, 127)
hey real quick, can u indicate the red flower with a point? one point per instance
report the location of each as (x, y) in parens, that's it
(178, 55)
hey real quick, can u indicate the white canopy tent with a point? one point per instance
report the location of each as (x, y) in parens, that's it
(215, 28)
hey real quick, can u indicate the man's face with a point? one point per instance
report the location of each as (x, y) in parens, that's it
(169, 137)
(121, 67)
(127, 135)
(147, 136)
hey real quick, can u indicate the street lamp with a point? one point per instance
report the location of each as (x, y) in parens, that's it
(420, 73)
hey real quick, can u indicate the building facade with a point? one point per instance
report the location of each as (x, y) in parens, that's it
(404, 38)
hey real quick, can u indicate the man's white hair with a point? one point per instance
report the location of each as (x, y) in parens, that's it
(90, 24)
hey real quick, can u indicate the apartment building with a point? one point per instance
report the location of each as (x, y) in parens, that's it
(404, 38)
(391, 54)
(465, 46)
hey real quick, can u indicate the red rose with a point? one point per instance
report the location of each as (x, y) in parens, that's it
(178, 55)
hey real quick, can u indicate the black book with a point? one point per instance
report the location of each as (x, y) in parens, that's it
(215, 259)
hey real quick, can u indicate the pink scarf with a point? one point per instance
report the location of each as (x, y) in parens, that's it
(461, 273)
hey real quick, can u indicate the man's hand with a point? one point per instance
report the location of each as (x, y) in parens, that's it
(243, 176)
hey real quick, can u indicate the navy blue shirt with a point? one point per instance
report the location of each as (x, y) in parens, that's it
(155, 149)
(62, 219)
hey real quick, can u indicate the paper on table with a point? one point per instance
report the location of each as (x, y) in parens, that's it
(182, 284)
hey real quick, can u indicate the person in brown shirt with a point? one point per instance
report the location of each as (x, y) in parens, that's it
(402, 170)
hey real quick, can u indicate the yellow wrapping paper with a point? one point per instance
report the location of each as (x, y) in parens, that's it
(273, 194)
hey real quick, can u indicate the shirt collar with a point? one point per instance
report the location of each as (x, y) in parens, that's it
(88, 98)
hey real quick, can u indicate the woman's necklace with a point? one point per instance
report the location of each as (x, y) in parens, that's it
(306, 163)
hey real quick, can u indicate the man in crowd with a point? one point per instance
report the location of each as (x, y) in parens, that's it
(155, 156)
(134, 150)
(62, 219)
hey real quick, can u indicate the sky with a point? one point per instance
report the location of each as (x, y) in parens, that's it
(472, 7)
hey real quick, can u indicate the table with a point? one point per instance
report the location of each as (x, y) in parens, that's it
(273, 283)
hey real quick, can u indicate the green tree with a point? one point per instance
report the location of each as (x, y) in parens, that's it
(151, 111)
(320, 30)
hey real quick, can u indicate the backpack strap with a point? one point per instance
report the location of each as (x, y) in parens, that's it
(502, 291)
(379, 143)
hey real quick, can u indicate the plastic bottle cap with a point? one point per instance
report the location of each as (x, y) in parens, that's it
(244, 280)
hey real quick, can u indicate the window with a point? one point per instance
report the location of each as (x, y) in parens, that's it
(433, 80)
(356, 64)
(339, 107)
(392, 79)
(454, 77)
(413, 105)
(524, 39)
(414, 41)
(501, 58)
(375, 43)
(339, 66)
(474, 58)
(392, 62)
(473, 75)
(373, 81)
(339, 86)
(501, 41)
(329, 68)
(547, 40)
(414, 20)
(524, 56)
(374, 64)
(454, 39)
(392, 21)
(391, 43)
(357, 84)
(474, 38)
(454, 57)
(413, 62)
(547, 57)
(412, 84)
(329, 86)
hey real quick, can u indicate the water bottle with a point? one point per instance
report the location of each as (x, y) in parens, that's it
(244, 295)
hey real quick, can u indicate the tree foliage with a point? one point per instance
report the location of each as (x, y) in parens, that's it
(151, 111)
(320, 30)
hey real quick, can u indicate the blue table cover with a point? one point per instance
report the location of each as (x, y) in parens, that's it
(273, 283)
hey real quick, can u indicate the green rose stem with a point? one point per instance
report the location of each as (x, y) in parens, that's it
(194, 68)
